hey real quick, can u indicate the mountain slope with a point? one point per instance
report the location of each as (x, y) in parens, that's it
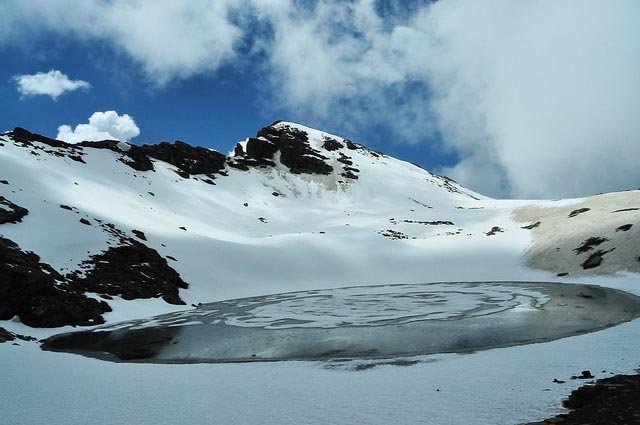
(293, 208)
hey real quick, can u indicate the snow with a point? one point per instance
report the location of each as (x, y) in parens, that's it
(558, 236)
(227, 252)
(502, 386)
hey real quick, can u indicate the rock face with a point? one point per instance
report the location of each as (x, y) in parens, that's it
(10, 212)
(189, 160)
(38, 295)
(131, 271)
(292, 144)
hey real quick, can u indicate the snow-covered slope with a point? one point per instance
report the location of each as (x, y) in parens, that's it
(292, 209)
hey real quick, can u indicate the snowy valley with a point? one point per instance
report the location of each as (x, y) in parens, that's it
(99, 233)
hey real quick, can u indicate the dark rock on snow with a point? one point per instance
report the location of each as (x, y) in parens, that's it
(132, 271)
(588, 244)
(139, 234)
(624, 228)
(292, 144)
(6, 336)
(578, 211)
(10, 212)
(532, 226)
(611, 401)
(494, 230)
(332, 144)
(39, 295)
(595, 259)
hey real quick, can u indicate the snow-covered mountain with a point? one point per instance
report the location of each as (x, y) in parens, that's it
(106, 231)
(109, 232)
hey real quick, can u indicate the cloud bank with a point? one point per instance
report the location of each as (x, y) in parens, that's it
(53, 83)
(536, 98)
(106, 125)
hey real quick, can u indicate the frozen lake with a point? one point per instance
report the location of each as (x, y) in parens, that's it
(385, 322)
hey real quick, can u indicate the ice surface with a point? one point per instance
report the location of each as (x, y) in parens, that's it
(361, 322)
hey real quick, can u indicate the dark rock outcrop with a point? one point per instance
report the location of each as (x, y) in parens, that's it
(611, 401)
(595, 259)
(26, 137)
(190, 160)
(578, 211)
(332, 144)
(10, 212)
(38, 295)
(589, 244)
(131, 271)
(431, 223)
(6, 336)
(292, 144)
(532, 225)
(494, 230)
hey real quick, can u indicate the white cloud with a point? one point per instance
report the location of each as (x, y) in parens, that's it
(53, 83)
(539, 96)
(106, 125)
(170, 40)
(536, 98)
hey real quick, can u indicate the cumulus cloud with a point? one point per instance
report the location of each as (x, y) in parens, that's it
(53, 83)
(535, 98)
(106, 125)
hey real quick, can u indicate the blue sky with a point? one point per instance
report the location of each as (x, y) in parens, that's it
(213, 110)
(513, 99)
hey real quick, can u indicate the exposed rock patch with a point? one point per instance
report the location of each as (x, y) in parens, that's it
(131, 271)
(589, 244)
(624, 228)
(292, 144)
(532, 226)
(139, 234)
(39, 295)
(189, 160)
(6, 336)
(331, 144)
(393, 234)
(595, 259)
(578, 211)
(10, 212)
(611, 401)
(495, 230)
(431, 223)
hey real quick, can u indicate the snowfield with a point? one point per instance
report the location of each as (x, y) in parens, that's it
(261, 229)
